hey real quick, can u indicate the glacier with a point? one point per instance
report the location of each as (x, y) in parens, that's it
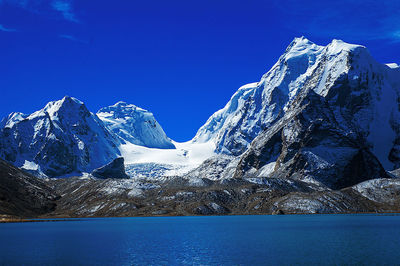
(65, 139)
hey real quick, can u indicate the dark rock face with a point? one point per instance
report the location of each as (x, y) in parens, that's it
(22, 194)
(309, 144)
(115, 169)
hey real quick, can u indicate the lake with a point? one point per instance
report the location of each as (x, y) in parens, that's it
(218, 240)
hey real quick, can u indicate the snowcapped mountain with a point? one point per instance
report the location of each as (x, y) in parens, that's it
(256, 106)
(60, 139)
(135, 125)
(320, 113)
(319, 133)
(362, 96)
(64, 138)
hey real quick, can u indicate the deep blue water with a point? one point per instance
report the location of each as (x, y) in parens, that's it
(223, 240)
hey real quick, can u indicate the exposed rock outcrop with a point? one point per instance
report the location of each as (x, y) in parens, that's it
(22, 194)
(115, 169)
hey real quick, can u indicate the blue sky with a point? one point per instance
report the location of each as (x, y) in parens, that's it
(182, 60)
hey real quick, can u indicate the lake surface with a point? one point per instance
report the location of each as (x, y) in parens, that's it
(218, 240)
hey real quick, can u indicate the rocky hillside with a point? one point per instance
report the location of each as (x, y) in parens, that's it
(26, 196)
(22, 194)
(179, 196)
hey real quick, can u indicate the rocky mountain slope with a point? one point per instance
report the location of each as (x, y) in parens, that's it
(179, 196)
(22, 194)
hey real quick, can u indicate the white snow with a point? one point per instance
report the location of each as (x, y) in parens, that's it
(81, 145)
(134, 125)
(185, 157)
(135, 192)
(95, 208)
(118, 206)
(132, 187)
(220, 120)
(14, 118)
(256, 105)
(267, 169)
(393, 65)
(28, 165)
(338, 46)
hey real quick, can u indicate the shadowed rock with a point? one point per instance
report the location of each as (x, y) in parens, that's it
(115, 169)
(22, 194)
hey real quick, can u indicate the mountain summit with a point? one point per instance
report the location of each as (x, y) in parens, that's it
(60, 139)
(65, 138)
(135, 125)
(329, 115)
(360, 94)
(319, 133)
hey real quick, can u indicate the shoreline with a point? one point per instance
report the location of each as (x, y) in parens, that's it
(65, 219)
(33, 220)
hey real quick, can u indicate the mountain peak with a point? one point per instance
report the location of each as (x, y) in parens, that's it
(62, 138)
(135, 125)
(66, 101)
(337, 46)
(300, 48)
(122, 108)
(362, 91)
(69, 99)
(120, 103)
(301, 39)
(11, 119)
(67, 104)
(299, 43)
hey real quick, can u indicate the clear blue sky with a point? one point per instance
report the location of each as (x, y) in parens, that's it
(182, 60)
